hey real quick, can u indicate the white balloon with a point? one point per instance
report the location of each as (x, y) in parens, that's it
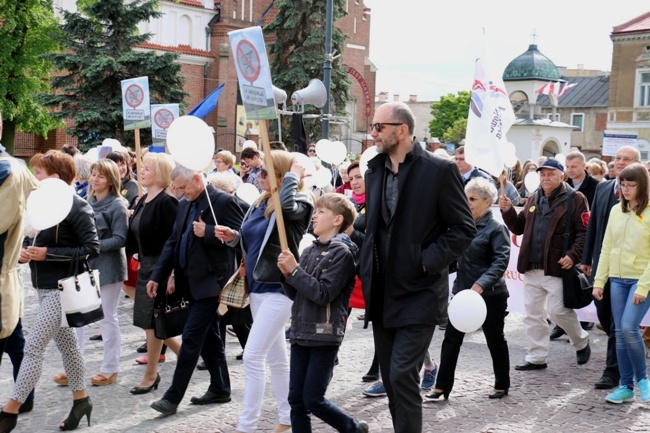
(509, 154)
(310, 168)
(248, 192)
(306, 241)
(510, 160)
(93, 154)
(338, 152)
(467, 311)
(366, 156)
(531, 181)
(323, 149)
(322, 178)
(249, 143)
(191, 142)
(50, 203)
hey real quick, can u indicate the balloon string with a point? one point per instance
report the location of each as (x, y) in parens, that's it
(211, 208)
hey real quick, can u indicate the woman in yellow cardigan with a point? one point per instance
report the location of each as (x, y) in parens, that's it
(625, 260)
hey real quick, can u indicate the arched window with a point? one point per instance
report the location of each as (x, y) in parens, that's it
(184, 35)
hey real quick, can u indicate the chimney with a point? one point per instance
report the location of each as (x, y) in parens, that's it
(396, 97)
(383, 97)
(413, 98)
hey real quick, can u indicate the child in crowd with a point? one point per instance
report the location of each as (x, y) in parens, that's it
(320, 288)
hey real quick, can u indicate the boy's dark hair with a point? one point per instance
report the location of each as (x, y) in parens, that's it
(249, 153)
(339, 205)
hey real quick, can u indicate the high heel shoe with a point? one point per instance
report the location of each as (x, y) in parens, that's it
(8, 421)
(498, 394)
(435, 395)
(81, 407)
(145, 389)
(101, 379)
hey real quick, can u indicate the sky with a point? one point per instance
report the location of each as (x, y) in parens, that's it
(428, 48)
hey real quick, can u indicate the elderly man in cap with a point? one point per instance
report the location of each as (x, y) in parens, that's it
(541, 259)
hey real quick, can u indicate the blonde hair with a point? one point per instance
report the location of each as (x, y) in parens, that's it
(111, 172)
(338, 204)
(163, 167)
(226, 156)
(282, 162)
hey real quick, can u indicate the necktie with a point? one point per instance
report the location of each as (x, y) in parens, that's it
(182, 254)
(617, 192)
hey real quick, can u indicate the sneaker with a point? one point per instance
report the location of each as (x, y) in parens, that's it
(429, 377)
(377, 389)
(231, 331)
(623, 394)
(644, 389)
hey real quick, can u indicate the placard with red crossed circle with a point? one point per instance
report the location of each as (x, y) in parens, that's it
(134, 96)
(248, 60)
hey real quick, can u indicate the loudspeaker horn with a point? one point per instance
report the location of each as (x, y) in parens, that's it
(279, 96)
(314, 94)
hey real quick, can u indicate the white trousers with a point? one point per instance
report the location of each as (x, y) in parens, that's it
(110, 328)
(266, 342)
(542, 292)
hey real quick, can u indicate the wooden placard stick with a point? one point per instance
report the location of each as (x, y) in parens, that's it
(275, 192)
(138, 161)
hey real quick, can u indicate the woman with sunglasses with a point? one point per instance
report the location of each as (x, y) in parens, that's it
(260, 245)
(625, 261)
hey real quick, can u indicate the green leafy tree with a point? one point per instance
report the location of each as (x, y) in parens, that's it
(448, 110)
(299, 50)
(26, 30)
(99, 43)
(456, 132)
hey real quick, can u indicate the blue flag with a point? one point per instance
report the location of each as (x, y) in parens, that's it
(208, 104)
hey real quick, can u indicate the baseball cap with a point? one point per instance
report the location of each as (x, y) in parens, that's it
(551, 163)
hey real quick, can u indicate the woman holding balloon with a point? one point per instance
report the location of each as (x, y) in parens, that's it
(481, 269)
(49, 256)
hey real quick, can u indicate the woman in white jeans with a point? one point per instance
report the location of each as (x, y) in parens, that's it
(259, 241)
(111, 220)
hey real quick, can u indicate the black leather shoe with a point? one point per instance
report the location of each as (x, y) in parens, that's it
(209, 398)
(240, 356)
(201, 366)
(26, 407)
(498, 394)
(370, 377)
(606, 382)
(97, 337)
(583, 355)
(165, 407)
(587, 326)
(528, 366)
(142, 349)
(557, 332)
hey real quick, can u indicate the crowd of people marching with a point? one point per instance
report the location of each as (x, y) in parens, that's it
(189, 232)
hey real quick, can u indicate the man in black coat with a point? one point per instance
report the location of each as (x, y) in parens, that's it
(418, 222)
(606, 196)
(201, 265)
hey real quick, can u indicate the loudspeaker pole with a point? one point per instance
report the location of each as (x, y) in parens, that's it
(327, 66)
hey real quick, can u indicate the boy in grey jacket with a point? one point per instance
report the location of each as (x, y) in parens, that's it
(320, 288)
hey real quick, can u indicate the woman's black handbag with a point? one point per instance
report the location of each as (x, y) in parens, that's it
(577, 289)
(169, 319)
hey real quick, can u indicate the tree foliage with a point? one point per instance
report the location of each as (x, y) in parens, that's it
(448, 110)
(99, 43)
(456, 132)
(26, 30)
(298, 53)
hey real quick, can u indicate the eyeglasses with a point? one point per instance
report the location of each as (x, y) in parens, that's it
(628, 185)
(311, 150)
(473, 199)
(380, 125)
(264, 173)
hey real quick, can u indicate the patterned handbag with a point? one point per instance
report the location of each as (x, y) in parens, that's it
(235, 293)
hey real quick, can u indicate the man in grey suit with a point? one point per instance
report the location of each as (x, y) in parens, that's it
(606, 196)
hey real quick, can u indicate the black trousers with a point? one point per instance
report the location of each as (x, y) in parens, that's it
(604, 312)
(496, 342)
(401, 353)
(200, 337)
